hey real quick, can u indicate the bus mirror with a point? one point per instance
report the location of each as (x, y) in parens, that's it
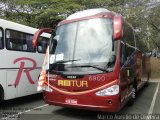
(117, 27)
(38, 33)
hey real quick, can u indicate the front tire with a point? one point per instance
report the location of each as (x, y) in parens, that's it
(133, 96)
(134, 93)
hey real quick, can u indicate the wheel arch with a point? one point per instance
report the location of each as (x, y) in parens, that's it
(1, 93)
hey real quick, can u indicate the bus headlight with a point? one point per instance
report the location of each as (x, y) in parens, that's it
(113, 90)
(48, 89)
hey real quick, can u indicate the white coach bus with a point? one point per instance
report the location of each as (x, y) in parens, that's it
(20, 63)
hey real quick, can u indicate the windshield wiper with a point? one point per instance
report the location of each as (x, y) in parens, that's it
(93, 66)
(64, 61)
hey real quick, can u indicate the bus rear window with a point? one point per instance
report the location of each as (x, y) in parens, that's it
(16, 40)
(1, 39)
(42, 44)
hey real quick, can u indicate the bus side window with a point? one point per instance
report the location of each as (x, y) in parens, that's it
(128, 34)
(123, 54)
(129, 51)
(42, 45)
(19, 41)
(8, 40)
(15, 40)
(1, 39)
(29, 43)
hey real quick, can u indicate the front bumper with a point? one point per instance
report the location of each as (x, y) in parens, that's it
(86, 101)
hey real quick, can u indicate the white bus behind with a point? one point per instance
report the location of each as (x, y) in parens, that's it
(20, 63)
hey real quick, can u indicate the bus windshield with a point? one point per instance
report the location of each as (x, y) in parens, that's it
(86, 45)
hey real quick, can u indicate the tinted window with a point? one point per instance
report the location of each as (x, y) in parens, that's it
(20, 41)
(123, 55)
(1, 39)
(129, 51)
(128, 34)
(42, 44)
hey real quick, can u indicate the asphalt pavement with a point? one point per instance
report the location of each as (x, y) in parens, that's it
(146, 107)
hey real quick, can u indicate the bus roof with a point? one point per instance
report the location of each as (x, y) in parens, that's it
(5, 24)
(86, 13)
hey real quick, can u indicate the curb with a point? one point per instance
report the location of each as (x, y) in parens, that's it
(154, 80)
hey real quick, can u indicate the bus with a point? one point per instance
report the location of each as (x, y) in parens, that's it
(20, 63)
(92, 62)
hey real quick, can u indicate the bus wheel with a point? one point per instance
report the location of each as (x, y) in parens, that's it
(133, 96)
(1, 93)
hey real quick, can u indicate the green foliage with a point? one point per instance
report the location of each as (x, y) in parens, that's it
(154, 25)
(145, 20)
(47, 13)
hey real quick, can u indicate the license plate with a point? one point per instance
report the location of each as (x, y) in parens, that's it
(71, 101)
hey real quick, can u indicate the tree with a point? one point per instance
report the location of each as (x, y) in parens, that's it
(47, 13)
(141, 15)
(154, 23)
